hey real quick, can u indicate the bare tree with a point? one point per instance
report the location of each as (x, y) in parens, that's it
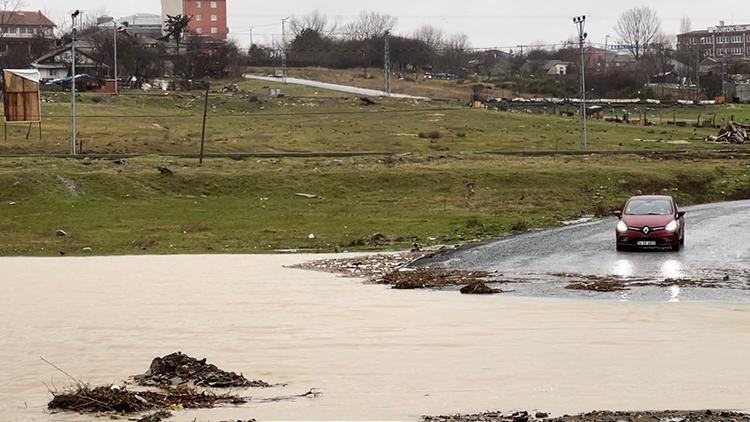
(433, 37)
(8, 9)
(176, 27)
(638, 29)
(370, 25)
(315, 22)
(686, 25)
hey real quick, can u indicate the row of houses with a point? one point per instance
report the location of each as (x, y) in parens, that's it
(29, 39)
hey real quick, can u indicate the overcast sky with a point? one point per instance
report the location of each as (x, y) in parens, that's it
(489, 23)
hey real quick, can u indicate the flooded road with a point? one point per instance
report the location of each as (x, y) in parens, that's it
(375, 353)
(717, 250)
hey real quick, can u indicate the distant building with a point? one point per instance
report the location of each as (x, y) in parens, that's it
(21, 29)
(539, 68)
(209, 18)
(57, 63)
(143, 24)
(717, 41)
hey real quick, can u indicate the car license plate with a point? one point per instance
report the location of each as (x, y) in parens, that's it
(647, 243)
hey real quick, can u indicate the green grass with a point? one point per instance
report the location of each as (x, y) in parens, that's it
(250, 206)
(311, 120)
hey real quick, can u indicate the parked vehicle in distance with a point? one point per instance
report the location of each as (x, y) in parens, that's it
(650, 222)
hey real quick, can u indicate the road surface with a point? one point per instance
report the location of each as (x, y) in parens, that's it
(337, 87)
(716, 255)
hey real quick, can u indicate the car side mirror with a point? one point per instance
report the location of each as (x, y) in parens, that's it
(618, 213)
(681, 213)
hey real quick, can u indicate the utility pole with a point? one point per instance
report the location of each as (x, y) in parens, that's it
(387, 62)
(580, 21)
(283, 49)
(73, 128)
(724, 79)
(251, 38)
(117, 85)
(606, 50)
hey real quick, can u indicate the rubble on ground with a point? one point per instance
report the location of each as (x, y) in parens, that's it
(425, 278)
(732, 133)
(479, 288)
(392, 270)
(599, 416)
(371, 267)
(179, 369)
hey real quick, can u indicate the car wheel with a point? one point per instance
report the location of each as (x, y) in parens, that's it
(621, 248)
(676, 247)
(682, 241)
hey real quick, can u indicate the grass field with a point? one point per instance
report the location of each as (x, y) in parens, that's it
(251, 206)
(309, 120)
(438, 185)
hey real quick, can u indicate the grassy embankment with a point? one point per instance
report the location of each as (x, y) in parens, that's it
(422, 193)
(250, 206)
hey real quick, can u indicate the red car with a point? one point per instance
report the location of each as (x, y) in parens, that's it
(650, 222)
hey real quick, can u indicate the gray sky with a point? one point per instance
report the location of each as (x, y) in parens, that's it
(489, 23)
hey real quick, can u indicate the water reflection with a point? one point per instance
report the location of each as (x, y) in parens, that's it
(623, 268)
(671, 269)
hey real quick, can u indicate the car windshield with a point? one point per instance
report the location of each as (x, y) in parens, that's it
(649, 207)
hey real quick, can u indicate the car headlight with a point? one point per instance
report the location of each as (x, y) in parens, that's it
(673, 226)
(622, 227)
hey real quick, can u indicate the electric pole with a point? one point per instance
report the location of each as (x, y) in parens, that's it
(117, 85)
(251, 38)
(724, 79)
(387, 62)
(283, 49)
(73, 128)
(580, 21)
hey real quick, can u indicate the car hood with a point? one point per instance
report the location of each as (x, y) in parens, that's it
(647, 220)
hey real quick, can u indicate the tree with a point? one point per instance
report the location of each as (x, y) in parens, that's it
(176, 27)
(368, 32)
(370, 25)
(638, 28)
(433, 37)
(686, 25)
(8, 9)
(313, 22)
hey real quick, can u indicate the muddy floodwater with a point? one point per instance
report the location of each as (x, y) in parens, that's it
(373, 352)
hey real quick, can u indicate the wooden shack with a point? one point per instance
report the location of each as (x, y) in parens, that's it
(21, 98)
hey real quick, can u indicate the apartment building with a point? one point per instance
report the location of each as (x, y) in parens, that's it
(209, 17)
(717, 41)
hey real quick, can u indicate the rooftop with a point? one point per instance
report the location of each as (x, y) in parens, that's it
(25, 18)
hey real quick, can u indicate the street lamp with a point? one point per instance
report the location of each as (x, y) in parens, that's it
(73, 16)
(115, 27)
(580, 21)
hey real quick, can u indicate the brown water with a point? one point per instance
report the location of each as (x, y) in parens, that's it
(375, 353)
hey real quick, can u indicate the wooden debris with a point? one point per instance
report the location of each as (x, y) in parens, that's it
(732, 133)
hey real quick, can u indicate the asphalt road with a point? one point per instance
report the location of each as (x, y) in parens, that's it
(715, 261)
(336, 87)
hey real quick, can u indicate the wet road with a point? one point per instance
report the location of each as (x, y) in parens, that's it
(336, 87)
(717, 251)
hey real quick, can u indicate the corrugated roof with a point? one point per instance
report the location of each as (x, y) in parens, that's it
(25, 18)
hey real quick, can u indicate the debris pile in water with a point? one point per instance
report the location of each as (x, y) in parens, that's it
(112, 398)
(179, 369)
(599, 416)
